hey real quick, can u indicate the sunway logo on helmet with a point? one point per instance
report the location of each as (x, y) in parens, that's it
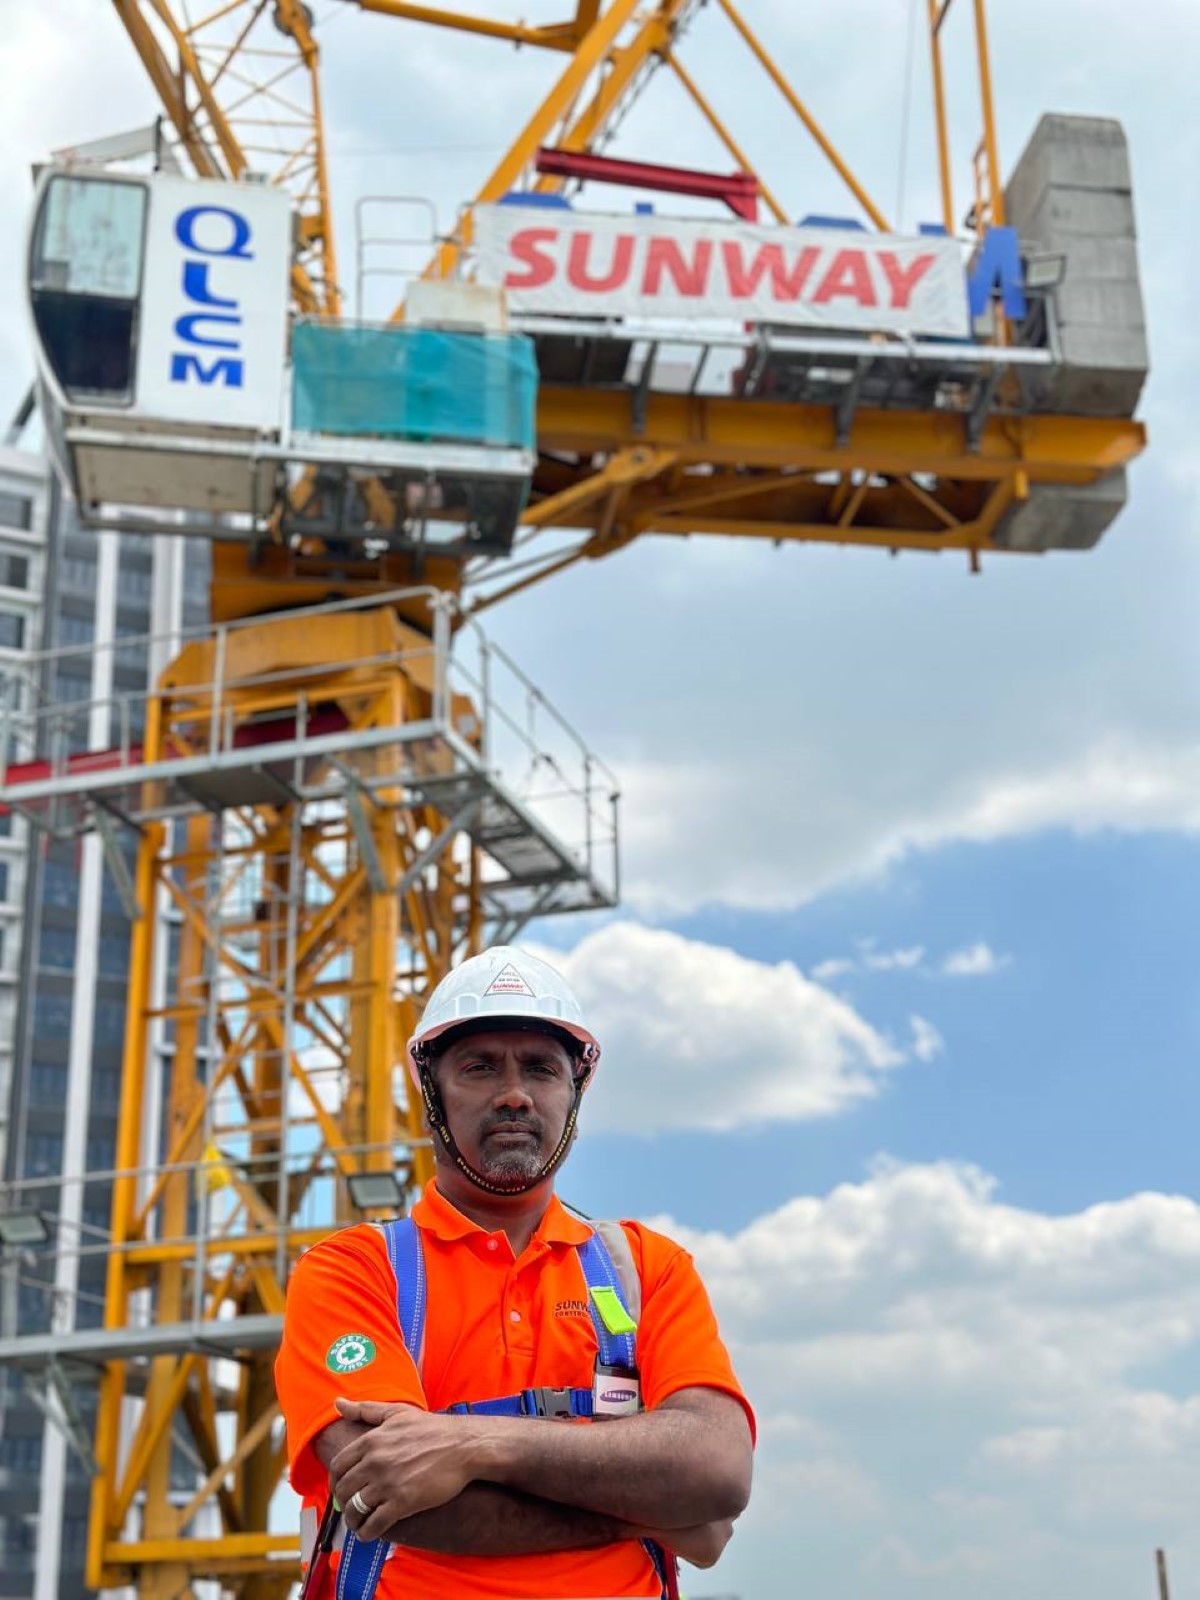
(618, 1397)
(509, 981)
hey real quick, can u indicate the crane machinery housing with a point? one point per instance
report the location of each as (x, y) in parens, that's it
(341, 786)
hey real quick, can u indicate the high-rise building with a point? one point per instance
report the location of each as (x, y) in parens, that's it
(95, 616)
(24, 503)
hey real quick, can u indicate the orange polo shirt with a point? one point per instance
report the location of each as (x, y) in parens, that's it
(495, 1325)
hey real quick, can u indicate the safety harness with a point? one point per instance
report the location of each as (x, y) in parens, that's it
(614, 1300)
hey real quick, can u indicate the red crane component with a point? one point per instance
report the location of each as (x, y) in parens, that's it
(277, 730)
(740, 191)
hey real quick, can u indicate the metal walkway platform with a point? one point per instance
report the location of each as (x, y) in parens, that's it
(844, 372)
(494, 759)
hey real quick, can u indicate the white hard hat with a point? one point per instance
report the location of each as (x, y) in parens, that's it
(504, 984)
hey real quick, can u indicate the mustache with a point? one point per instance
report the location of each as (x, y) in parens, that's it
(518, 1121)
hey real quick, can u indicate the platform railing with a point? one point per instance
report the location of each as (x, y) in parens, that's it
(493, 723)
(34, 1216)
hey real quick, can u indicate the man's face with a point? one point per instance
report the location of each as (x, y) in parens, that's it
(507, 1095)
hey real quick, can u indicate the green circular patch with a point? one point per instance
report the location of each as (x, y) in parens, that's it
(350, 1353)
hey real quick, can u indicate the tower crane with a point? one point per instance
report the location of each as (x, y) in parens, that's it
(321, 785)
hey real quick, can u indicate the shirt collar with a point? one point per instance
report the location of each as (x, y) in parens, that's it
(435, 1214)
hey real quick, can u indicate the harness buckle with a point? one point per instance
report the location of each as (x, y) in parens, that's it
(552, 1402)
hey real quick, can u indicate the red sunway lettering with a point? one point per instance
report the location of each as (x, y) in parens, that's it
(787, 281)
(615, 278)
(528, 247)
(691, 277)
(902, 280)
(848, 277)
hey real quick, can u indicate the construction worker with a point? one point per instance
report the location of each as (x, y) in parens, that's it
(423, 1360)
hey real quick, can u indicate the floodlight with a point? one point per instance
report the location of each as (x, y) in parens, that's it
(1045, 272)
(375, 1191)
(23, 1228)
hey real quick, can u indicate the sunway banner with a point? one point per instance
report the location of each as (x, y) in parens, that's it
(572, 263)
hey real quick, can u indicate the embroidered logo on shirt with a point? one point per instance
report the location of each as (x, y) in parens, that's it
(350, 1353)
(571, 1308)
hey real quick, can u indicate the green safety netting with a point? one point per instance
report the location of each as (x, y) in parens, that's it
(413, 383)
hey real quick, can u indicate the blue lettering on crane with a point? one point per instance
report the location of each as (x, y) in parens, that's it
(185, 232)
(208, 328)
(998, 270)
(229, 371)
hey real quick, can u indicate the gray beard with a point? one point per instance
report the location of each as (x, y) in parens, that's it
(512, 1166)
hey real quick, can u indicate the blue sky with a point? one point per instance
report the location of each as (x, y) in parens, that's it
(1066, 1072)
(958, 1262)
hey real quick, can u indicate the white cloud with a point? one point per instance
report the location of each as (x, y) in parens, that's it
(696, 1036)
(927, 1042)
(869, 959)
(894, 960)
(973, 961)
(969, 1388)
(835, 967)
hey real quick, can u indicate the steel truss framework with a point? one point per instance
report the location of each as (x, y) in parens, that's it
(299, 826)
(838, 468)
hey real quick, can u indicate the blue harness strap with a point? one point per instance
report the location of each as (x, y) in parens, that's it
(404, 1250)
(361, 1563)
(616, 1349)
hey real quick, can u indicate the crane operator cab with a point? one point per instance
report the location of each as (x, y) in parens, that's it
(180, 395)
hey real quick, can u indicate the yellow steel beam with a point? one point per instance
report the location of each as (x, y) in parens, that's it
(255, 1244)
(805, 115)
(627, 466)
(625, 64)
(934, 507)
(249, 1442)
(749, 433)
(722, 132)
(967, 536)
(202, 1556)
(127, 1159)
(555, 36)
(936, 15)
(228, 159)
(990, 140)
(169, 87)
(592, 50)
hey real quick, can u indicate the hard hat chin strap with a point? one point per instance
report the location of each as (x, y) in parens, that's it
(436, 1113)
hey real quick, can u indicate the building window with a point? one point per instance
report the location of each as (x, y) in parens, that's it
(57, 948)
(16, 510)
(14, 570)
(77, 575)
(110, 1022)
(60, 885)
(48, 1085)
(3, 882)
(114, 954)
(101, 1152)
(52, 1016)
(43, 1154)
(12, 630)
(76, 630)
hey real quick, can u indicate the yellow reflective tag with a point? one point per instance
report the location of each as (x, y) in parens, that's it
(612, 1313)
